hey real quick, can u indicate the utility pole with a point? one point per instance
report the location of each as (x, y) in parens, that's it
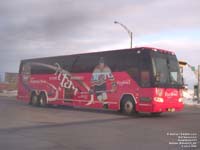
(198, 90)
(128, 31)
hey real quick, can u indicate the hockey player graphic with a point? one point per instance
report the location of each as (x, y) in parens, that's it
(100, 75)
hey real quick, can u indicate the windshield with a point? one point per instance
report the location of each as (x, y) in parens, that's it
(166, 70)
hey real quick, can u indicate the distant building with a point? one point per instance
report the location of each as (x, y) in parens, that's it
(11, 77)
(182, 64)
(10, 82)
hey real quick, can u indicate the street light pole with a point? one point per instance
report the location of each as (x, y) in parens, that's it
(131, 35)
(198, 87)
(129, 32)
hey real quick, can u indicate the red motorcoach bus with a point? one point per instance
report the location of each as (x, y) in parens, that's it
(133, 80)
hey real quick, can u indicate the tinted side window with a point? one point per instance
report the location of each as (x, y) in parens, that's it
(130, 64)
(145, 69)
(85, 63)
(25, 69)
(47, 65)
(41, 70)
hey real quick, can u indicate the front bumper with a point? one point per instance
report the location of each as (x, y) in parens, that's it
(163, 107)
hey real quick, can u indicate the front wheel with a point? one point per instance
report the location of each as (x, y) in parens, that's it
(128, 106)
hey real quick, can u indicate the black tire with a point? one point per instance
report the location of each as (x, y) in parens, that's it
(128, 106)
(34, 99)
(42, 100)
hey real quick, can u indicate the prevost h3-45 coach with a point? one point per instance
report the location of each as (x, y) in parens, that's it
(131, 80)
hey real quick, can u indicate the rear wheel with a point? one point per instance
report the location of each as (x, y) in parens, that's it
(34, 99)
(42, 100)
(128, 105)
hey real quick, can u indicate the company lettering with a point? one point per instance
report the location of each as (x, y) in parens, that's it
(170, 94)
(124, 82)
(65, 79)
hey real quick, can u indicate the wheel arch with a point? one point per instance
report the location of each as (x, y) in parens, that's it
(38, 93)
(34, 92)
(127, 95)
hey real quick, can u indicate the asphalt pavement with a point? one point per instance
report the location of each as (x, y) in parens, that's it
(24, 127)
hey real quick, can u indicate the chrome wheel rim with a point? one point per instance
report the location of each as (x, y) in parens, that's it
(128, 107)
(34, 100)
(42, 101)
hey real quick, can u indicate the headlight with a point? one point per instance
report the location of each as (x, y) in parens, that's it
(158, 99)
(180, 100)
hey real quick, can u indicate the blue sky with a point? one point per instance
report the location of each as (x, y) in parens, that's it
(44, 28)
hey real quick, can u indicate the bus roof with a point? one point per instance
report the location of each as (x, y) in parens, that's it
(160, 50)
(135, 48)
